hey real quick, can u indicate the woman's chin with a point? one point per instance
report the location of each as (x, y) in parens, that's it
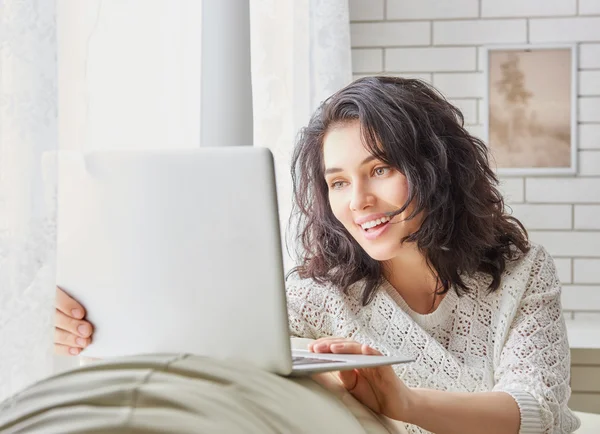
(381, 254)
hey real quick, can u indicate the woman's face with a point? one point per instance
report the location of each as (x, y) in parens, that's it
(362, 189)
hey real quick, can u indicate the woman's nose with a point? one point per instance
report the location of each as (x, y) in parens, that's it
(361, 198)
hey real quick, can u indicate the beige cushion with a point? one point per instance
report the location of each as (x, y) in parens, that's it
(185, 394)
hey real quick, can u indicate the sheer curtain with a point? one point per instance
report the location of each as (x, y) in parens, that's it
(300, 54)
(28, 127)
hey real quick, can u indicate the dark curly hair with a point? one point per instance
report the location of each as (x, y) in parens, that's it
(409, 125)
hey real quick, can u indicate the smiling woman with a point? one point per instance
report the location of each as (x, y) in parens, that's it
(386, 147)
(407, 250)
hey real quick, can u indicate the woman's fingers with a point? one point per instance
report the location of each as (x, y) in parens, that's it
(322, 345)
(68, 305)
(75, 326)
(63, 337)
(349, 379)
(353, 347)
(65, 350)
(71, 332)
(370, 351)
(71, 335)
(341, 346)
(347, 347)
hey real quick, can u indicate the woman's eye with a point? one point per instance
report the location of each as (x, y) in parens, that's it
(380, 171)
(337, 185)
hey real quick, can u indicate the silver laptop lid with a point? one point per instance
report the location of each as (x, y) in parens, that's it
(175, 251)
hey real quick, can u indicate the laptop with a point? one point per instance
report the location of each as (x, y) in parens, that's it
(180, 252)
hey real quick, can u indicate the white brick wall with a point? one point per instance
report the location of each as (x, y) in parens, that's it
(525, 8)
(473, 32)
(568, 243)
(564, 268)
(431, 9)
(431, 59)
(563, 190)
(589, 136)
(589, 82)
(587, 216)
(589, 109)
(441, 42)
(544, 216)
(367, 60)
(589, 7)
(361, 10)
(466, 85)
(589, 163)
(468, 107)
(586, 270)
(582, 29)
(389, 34)
(513, 190)
(580, 298)
(589, 56)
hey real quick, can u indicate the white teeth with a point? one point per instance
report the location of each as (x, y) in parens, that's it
(374, 223)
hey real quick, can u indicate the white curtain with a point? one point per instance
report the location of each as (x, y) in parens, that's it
(28, 127)
(300, 55)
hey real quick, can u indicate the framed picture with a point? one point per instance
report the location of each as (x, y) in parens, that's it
(530, 108)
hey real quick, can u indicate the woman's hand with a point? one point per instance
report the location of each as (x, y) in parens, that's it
(378, 388)
(71, 332)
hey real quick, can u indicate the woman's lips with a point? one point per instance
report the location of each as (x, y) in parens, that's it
(377, 232)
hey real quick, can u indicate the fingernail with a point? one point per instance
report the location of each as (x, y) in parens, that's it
(81, 342)
(74, 351)
(84, 330)
(77, 313)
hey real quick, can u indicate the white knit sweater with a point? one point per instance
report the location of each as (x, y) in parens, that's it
(512, 340)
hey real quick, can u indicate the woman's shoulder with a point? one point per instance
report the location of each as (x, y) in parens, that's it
(529, 275)
(530, 262)
(535, 270)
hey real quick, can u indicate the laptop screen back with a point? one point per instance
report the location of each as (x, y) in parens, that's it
(175, 252)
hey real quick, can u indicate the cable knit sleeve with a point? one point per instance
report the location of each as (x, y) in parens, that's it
(534, 364)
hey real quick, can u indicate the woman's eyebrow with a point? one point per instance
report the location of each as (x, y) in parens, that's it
(336, 169)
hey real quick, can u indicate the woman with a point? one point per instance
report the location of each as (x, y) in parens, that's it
(407, 249)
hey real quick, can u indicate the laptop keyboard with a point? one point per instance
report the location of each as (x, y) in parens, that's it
(299, 360)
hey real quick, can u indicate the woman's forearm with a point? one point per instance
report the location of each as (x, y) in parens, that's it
(444, 412)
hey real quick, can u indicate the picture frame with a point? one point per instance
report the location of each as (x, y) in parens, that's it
(530, 108)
